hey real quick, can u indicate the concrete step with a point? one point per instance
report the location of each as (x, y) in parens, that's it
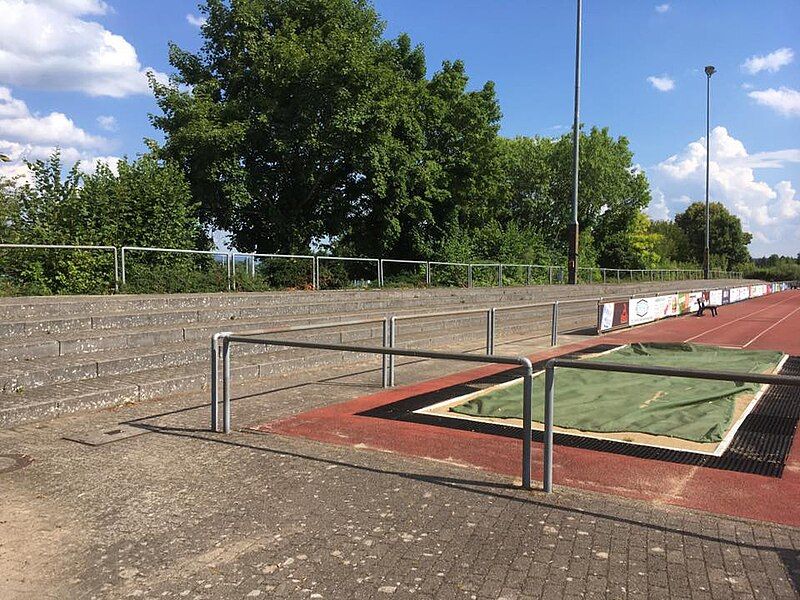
(152, 330)
(14, 310)
(90, 394)
(28, 374)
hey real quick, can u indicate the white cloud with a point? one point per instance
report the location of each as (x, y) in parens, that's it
(772, 62)
(195, 20)
(770, 212)
(90, 165)
(107, 122)
(45, 44)
(78, 7)
(784, 100)
(17, 123)
(662, 8)
(663, 84)
(25, 135)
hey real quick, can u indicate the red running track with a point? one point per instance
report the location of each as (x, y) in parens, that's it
(770, 322)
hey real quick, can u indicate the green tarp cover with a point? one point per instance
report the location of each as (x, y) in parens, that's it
(598, 401)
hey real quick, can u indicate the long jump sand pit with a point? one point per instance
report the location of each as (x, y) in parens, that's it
(683, 414)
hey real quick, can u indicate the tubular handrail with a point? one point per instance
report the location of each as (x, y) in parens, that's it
(554, 363)
(226, 338)
(75, 247)
(231, 257)
(254, 255)
(228, 256)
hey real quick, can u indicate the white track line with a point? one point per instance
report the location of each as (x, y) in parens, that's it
(694, 337)
(771, 326)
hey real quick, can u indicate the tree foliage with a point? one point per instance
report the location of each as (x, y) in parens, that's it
(299, 123)
(728, 241)
(146, 203)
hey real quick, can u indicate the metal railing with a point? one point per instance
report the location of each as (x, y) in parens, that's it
(555, 273)
(228, 257)
(226, 339)
(377, 261)
(549, 392)
(251, 257)
(73, 247)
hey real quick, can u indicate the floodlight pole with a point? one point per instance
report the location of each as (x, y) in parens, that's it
(572, 275)
(710, 70)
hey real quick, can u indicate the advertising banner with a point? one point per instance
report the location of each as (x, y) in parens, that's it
(642, 310)
(688, 302)
(613, 314)
(715, 298)
(726, 296)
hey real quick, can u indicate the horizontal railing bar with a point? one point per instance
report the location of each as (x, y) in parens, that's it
(58, 246)
(762, 378)
(260, 255)
(309, 327)
(178, 250)
(504, 360)
(542, 304)
(350, 258)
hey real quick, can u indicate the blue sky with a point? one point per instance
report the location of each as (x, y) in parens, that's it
(69, 65)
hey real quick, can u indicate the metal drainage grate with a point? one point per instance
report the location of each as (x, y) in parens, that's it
(760, 446)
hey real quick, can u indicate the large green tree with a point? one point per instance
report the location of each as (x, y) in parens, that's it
(728, 240)
(289, 117)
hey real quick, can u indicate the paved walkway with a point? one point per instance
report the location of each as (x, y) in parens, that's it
(181, 512)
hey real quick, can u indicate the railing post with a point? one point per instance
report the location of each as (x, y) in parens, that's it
(392, 344)
(428, 273)
(618, 278)
(528, 277)
(385, 357)
(122, 257)
(549, 391)
(469, 276)
(213, 381)
(550, 269)
(527, 418)
(489, 332)
(500, 275)
(226, 385)
(231, 266)
(554, 325)
(380, 272)
(116, 270)
(604, 276)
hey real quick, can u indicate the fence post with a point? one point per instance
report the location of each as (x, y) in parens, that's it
(549, 390)
(554, 325)
(428, 273)
(550, 270)
(213, 380)
(116, 270)
(618, 279)
(231, 266)
(469, 276)
(226, 385)
(604, 275)
(385, 357)
(380, 272)
(527, 418)
(392, 343)
(489, 332)
(500, 275)
(528, 277)
(122, 257)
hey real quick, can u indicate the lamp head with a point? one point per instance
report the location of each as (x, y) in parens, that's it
(710, 70)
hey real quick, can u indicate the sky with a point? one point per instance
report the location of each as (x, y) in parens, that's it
(72, 75)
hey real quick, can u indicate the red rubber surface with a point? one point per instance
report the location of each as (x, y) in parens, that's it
(712, 490)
